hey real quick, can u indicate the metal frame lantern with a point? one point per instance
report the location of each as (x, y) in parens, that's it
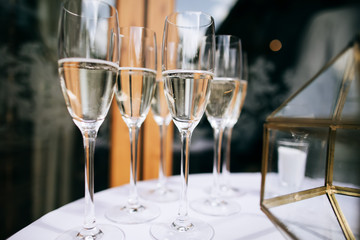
(310, 186)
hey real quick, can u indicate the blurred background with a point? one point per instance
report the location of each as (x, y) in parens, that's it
(41, 156)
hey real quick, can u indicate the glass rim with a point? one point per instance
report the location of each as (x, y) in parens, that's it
(231, 40)
(137, 27)
(211, 19)
(237, 79)
(235, 38)
(66, 9)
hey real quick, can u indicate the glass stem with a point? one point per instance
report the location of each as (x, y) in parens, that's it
(89, 227)
(226, 163)
(181, 223)
(133, 196)
(161, 181)
(218, 134)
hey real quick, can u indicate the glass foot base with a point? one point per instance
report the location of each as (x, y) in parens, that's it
(229, 191)
(161, 194)
(196, 230)
(215, 207)
(127, 214)
(104, 232)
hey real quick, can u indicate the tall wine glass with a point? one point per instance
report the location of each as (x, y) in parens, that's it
(162, 192)
(224, 89)
(188, 64)
(88, 69)
(227, 190)
(135, 89)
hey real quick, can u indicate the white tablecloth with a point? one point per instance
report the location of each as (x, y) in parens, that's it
(249, 223)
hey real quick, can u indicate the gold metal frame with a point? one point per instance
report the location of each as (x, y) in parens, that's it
(281, 123)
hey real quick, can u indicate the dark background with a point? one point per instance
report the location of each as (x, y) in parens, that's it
(41, 158)
(311, 33)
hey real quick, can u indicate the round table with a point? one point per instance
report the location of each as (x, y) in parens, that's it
(249, 223)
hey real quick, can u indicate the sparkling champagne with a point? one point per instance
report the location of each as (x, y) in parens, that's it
(222, 100)
(135, 90)
(88, 88)
(187, 93)
(239, 103)
(159, 106)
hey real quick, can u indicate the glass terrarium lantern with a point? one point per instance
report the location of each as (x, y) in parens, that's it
(310, 185)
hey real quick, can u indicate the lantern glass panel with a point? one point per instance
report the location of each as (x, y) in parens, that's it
(310, 219)
(346, 158)
(350, 206)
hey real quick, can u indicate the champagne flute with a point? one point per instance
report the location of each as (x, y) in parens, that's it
(162, 117)
(188, 64)
(88, 69)
(224, 89)
(226, 188)
(135, 89)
